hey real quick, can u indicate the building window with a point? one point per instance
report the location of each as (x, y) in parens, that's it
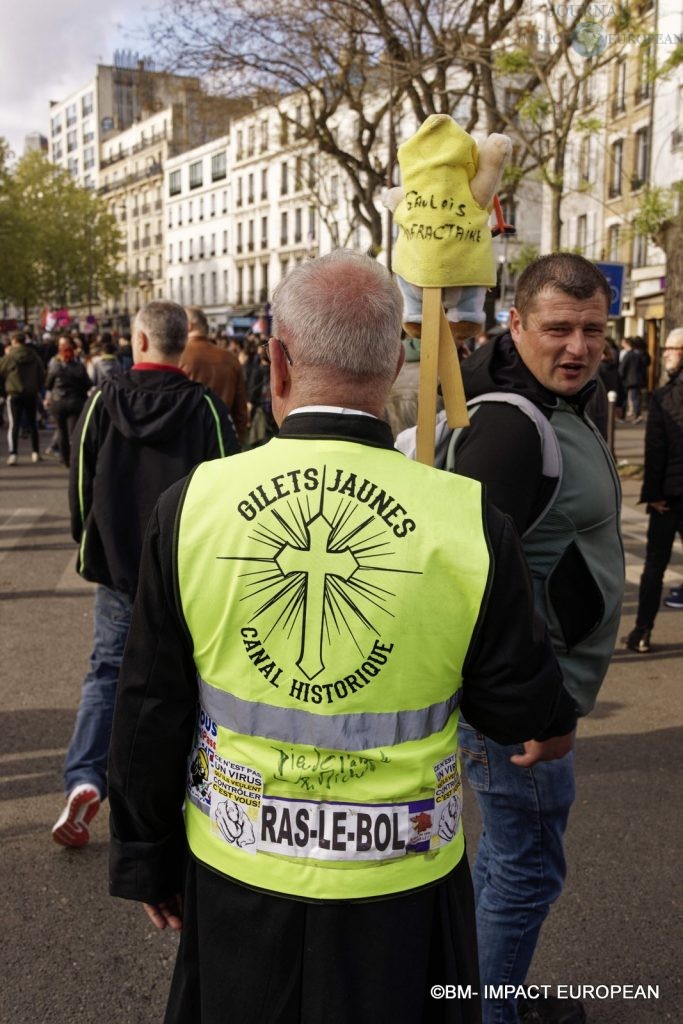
(180, 252)
(639, 250)
(283, 228)
(71, 141)
(264, 183)
(73, 166)
(174, 183)
(284, 178)
(225, 285)
(619, 87)
(190, 212)
(238, 145)
(250, 188)
(613, 243)
(238, 200)
(238, 244)
(298, 224)
(225, 241)
(251, 140)
(202, 294)
(616, 168)
(219, 167)
(646, 58)
(88, 134)
(225, 202)
(190, 249)
(298, 121)
(250, 236)
(240, 281)
(585, 160)
(311, 224)
(212, 250)
(264, 232)
(201, 247)
(87, 104)
(71, 115)
(214, 287)
(641, 158)
(88, 158)
(212, 205)
(170, 252)
(334, 190)
(299, 174)
(191, 282)
(581, 231)
(56, 125)
(264, 136)
(196, 176)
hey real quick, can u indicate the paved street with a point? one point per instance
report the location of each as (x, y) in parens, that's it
(73, 954)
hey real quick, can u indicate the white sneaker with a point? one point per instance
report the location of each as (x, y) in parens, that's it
(12, 460)
(35, 457)
(71, 827)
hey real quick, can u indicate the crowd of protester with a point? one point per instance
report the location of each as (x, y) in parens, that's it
(75, 363)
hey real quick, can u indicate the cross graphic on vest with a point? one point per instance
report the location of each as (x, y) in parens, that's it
(316, 562)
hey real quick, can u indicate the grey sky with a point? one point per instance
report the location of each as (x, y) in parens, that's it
(49, 48)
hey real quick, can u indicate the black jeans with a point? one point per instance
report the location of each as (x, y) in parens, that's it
(66, 418)
(661, 534)
(16, 405)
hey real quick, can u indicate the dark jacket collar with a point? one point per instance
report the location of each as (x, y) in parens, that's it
(497, 366)
(348, 427)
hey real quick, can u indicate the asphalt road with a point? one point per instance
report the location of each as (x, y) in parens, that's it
(72, 954)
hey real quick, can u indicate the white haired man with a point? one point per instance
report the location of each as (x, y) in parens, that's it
(139, 433)
(319, 614)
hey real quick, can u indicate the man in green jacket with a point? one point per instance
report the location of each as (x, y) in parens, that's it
(23, 372)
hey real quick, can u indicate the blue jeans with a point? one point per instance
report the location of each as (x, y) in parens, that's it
(86, 758)
(520, 866)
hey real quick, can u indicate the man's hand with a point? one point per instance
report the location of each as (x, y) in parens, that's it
(659, 506)
(544, 750)
(168, 913)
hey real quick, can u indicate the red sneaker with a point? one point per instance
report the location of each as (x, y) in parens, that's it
(71, 827)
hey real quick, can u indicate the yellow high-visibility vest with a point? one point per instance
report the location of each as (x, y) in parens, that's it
(331, 590)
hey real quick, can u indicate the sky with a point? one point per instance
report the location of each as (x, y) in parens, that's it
(49, 48)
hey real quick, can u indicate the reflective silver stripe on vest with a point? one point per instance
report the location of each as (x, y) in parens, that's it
(365, 731)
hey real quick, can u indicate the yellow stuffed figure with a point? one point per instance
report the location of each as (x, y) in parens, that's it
(442, 212)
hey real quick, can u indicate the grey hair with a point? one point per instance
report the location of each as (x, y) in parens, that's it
(676, 334)
(343, 311)
(165, 324)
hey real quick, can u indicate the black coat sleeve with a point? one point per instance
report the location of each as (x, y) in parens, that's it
(154, 723)
(502, 449)
(221, 433)
(656, 453)
(512, 688)
(84, 445)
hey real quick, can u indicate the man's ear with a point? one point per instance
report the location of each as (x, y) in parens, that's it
(279, 369)
(515, 325)
(143, 341)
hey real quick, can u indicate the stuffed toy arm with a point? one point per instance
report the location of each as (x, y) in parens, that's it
(493, 155)
(391, 197)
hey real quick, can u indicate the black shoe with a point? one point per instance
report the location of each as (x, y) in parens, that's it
(638, 640)
(551, 1010)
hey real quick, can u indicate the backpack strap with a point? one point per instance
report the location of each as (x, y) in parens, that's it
(551, 453)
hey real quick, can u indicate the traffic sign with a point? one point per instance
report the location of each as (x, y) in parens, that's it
(614, 272)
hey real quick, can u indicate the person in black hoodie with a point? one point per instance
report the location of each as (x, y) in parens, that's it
(662, 489)
(67, 385)
(139, 433)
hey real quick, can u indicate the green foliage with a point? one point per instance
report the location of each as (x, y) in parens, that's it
(656, 208)
(673, 61)
(534, 108)
(525, 255)
(589, 125)
(58, 241)
(512, 62)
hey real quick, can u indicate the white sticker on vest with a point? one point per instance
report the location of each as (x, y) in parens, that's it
(337, 831)
(448, 798)
(237, 792)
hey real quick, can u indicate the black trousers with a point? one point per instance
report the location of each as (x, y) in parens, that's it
(249, 957)
(66, 421)
(661, 534)
(16, 405)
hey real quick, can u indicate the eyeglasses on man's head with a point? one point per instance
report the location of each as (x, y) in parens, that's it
(263, 348)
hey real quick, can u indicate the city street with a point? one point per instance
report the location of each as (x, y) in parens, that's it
(71, 953)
